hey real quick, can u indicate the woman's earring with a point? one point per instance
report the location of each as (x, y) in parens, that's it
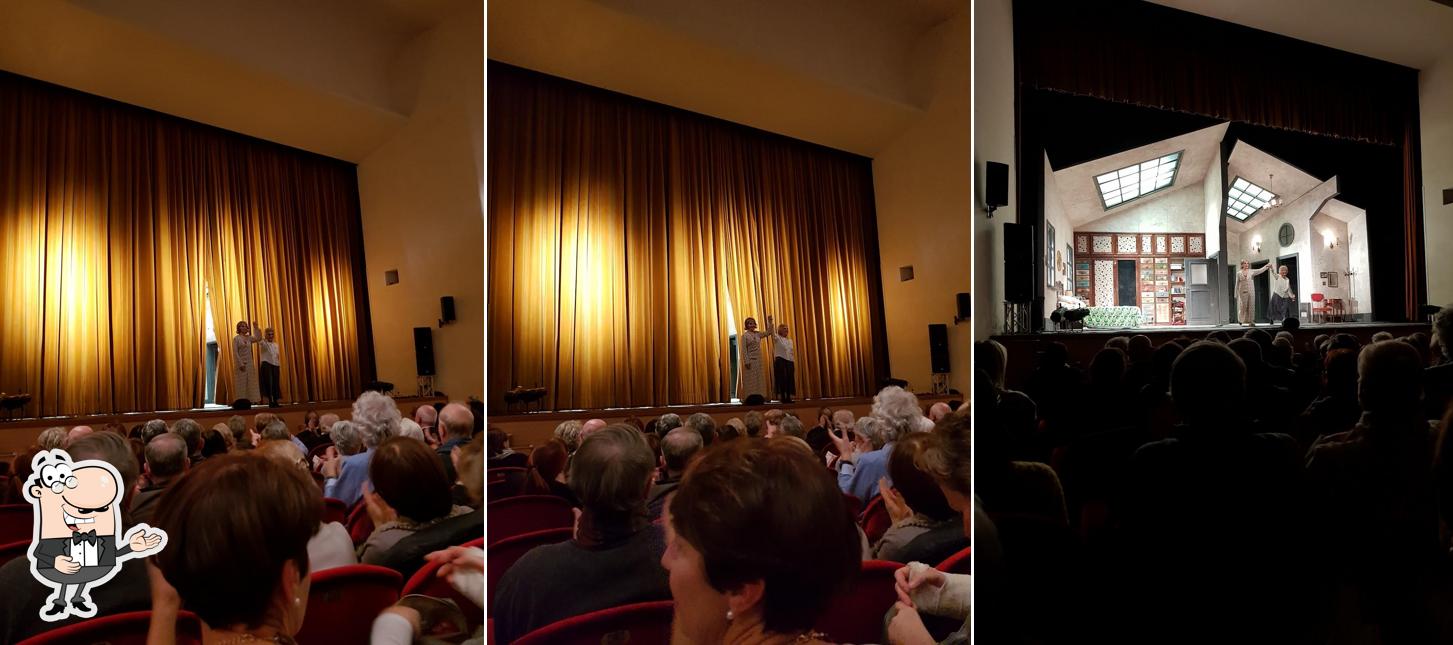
(730, 616)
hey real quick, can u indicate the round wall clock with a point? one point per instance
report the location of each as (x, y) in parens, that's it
(1286, 234)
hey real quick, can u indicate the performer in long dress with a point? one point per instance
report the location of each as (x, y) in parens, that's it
(244, 375)
(1246, 294)
(750, 380)
(270, 368)
(1283, 299)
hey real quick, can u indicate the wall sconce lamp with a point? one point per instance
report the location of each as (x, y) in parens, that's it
(1329, 239)
(1256, 244)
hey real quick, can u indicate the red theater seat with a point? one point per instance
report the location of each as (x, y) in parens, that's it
(505, 553)
(856, 616)
(334, 510)
(342, 603)
(360, 525)
(526, 513)
(13, 550)
(854, 504)
(961, 562)
(118, 629)
(876, 520)
(426, 581)
(15, 520)
(646, 622)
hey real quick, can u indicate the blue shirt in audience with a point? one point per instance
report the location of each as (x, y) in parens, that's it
(351, 475)
(860, 479)
(301, 446)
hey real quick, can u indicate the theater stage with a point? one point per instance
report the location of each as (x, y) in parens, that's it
(19, 434)
(534, 428)
(1082, 345)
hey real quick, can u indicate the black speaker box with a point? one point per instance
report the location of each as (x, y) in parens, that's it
(938, 348)
(446, 310)
(963, 301)
(424, 350)
(996, 184)
(1018, 262)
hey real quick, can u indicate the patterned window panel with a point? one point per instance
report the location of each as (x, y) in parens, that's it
(1145, 244)
(1197, 246)
(1178, 244)
(1082, 244)
(1125, 244)
(1101, 244)
(1160, 244)
(1104, 282)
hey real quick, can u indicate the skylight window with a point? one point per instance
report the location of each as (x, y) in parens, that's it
(1246, 199)
(1133, 182)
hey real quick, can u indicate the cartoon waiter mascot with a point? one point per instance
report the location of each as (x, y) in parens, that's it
(76, 545)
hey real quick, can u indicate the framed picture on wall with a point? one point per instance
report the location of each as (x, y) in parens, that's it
(1049, 248)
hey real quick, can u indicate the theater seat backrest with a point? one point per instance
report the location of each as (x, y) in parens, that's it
(505, 553)
(15, 523)
(127, 628)
(343, 601)
(526, 513)
(856, 615)
(646, 622)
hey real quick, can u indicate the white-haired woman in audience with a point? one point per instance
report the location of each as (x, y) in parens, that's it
(864, 461)
(376, 419)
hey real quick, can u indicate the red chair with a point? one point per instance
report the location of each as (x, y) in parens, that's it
(645, 622)
(360, 525)
(876, 520)
(318, 451)
(855, 505)
(505, 481)
(127, 628)
(961, 562)
(489, 631)
(505, 553)
(1319, 306)
(856, 616)
(526, 513)
(13, 550)
(334, 510)
(15, 523)
(426, 582)
(343, 601)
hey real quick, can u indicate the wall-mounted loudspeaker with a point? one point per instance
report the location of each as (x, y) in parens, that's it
(446, 310)
(424, 351)
(1447, 196)
(963, 302)
(1018, 262)
(996, 185)
(938, 348)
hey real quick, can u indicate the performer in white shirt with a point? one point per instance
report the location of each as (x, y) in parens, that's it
(243, 374)
(784, 367)
(271, 365)
(1283, 300)
(1245, 293)
(750, 380)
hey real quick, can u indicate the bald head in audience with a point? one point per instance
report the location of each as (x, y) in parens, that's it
(677, 449)
(457, 420)
(938, 411)
(590, 427)
(166, 458)
(77, 432)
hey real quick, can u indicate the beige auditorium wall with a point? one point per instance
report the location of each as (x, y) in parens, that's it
(921, 181)
(1436, 110)
(422, 212)
(993, 141)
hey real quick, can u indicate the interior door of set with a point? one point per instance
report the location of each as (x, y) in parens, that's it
(1201, 278)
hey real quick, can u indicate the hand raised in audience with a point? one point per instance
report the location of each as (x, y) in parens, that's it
(893, 501)
(905, 581)
(378, 510)
(331, 465)
(844, 447)
(907, 627)
(457, 558)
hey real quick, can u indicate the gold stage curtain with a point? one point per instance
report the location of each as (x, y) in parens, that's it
(621, 233)
(114, 222)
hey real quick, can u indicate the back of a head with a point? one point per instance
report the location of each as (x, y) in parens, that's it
(791, 426)
(497, 439)
(263, 511)
(471, 469)
(843, 417)
(191, 432)
(238, 425)
(1162, 361)
(213, 443)
(611, 471)
(376, 418)
(1345, 341)
(410, 477)
(51, 438)
(283, 452)
(1054, 354)
(668, 422)
(1288, 336)
(993, 358)
(1219, 336)
(1262, 338)
(753, 421)
(1119, 342)
(874, 430)
(1443, 330)
(704, 425)
(154, 428)
(1208, 382)
(898, 408)
(346, 438)
(1341, 372)
(568, 432)
(919, 489)
(549, 459)
(262, 420)
(457, 421)
(326, 421)
(1381, 336)
(110, 448)
(774, 416)
(1281, 352)
(678, 447)
(166, 455)
(732, 508)
(948, 455)
(1140, 348)
(1249, 352)
(276, 430)
(1108, 367)
(1319, 340)
(1291, 324)
(411, 429)
(1390, 379)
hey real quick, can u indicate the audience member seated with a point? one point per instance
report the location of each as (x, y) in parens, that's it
(76, 433)
(913, 501)
(23, 597)
(865, 459)
(615, 556)
(243, 438)
(704, 425)
(1337, 409)
(1008, 485)
(411, 493)
(238, 528)
(1380, 472)
(408, 428)
(547, 470)
(568, 432)
(277, 430)
(408, 555)
(427, 416)
(376, 419)
(791, 426)
(457, 422)
(1016, 411)
(214, 441)
(331, 546)
(1268, 404)
(166, 462)
(501, 454)
(1179, 570)
(1105, 392)
(771, 423)
(677, 449)
(402, 624)
(745, 568)
(191, 432)
(153, 429)
(754, 421)
(52, 438)
(939, 410)
(1438, 379)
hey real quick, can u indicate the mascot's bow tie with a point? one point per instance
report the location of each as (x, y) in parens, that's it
(88, 536)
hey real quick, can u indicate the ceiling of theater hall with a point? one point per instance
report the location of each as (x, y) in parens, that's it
(1080, 194)
(850, 74)
(321, 75)
(1414, 33)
